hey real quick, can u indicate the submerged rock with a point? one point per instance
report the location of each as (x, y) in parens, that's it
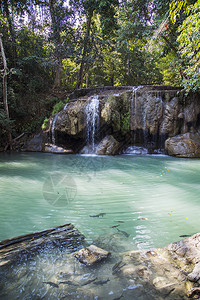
(108, 146)
(185, 145)
(56, 149)
(135, 150)
(91, 255)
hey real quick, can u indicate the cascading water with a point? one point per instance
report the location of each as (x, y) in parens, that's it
(92, 121)
(162, 136)
(133, 111)
(53, 138)
(65, 107)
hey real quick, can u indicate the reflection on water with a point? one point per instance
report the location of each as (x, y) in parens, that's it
(119, 203)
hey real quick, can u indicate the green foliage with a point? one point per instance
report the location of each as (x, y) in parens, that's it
(189, 48)
(125, 122)
(66, 100)
(45, 124)
(176, 7)
(107, 42)
(57, 107)
(50, 101)
(70, 72)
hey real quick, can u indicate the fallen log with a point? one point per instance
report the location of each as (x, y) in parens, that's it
(30, 244)
(19, 137)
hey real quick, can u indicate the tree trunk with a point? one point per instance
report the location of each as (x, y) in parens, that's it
(57, 41)
(85, 49)
(86, 80)
(11, 29)
(57, 81)
(5, 89)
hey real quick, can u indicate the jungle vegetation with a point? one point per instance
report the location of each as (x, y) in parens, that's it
(52, 47)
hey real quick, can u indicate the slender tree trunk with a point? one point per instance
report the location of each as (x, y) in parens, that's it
(86, 81)
(11, 28)
(5, 88)
(57, 81)
(85, 49)
(56, 32)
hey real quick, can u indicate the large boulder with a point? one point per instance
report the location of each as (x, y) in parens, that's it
(91, 255)
(36, 143)
(171, 272)
(184, 145)
(71, 121)
(171, 116)
(108, 146)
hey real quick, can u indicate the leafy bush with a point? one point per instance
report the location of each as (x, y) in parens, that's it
(66, 100)
(57, 107)
(189, 47)
(125, 122)
(45, 123)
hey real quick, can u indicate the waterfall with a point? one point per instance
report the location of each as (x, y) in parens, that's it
(92, 121)
(144, 125)
(53, 138)
(65, 107)
(133, 110)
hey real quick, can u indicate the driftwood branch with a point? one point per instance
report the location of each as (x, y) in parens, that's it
(18, 137)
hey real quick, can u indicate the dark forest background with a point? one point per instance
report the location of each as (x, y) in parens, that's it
(53, 47)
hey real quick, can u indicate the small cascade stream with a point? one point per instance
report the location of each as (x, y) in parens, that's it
(93, 123)
(53, 138)
(162, 137)
(144, 121)
(65, 107)
(134, 112)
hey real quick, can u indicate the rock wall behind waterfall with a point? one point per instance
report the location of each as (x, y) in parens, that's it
(142, 116)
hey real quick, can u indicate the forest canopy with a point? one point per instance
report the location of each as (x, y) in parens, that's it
(61, 45)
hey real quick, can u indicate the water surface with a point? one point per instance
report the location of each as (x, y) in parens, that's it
(151, 200)
(154, 199)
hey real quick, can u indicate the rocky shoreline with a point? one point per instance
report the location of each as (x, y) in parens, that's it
(172, 272)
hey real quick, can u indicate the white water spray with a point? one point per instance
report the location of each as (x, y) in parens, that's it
(65, 107)
(133, 110)
(92, 120)
(53, 138)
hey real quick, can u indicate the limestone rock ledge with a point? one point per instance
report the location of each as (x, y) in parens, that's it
(172, 272)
